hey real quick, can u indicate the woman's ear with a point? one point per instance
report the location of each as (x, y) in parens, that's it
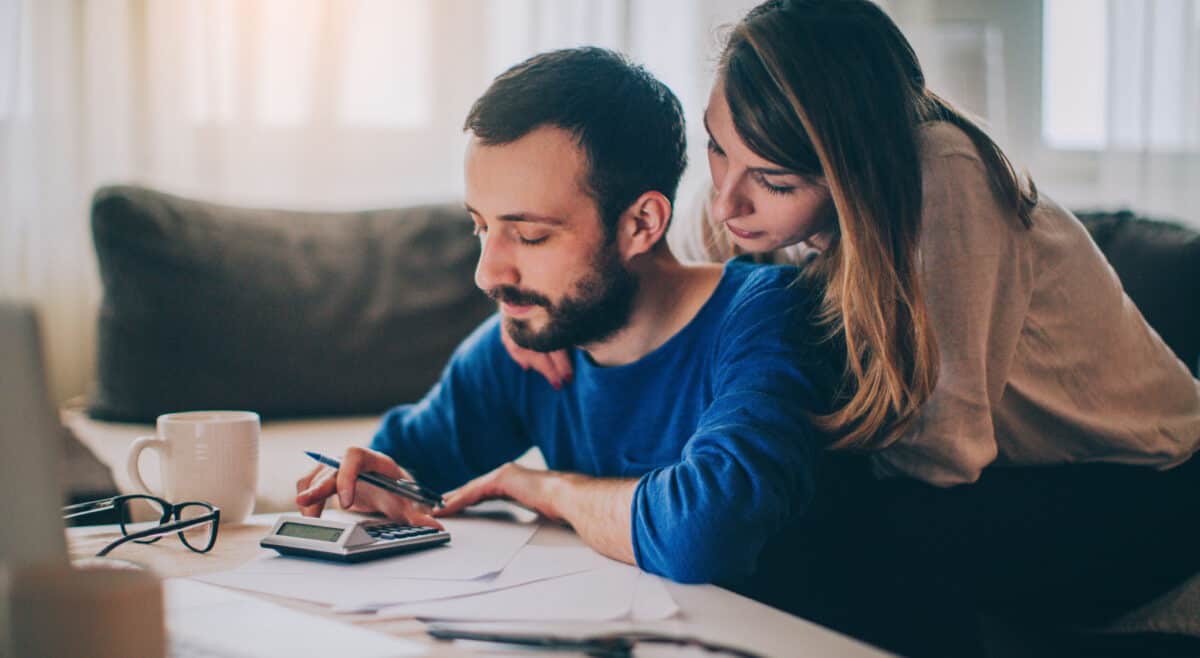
(644, 224)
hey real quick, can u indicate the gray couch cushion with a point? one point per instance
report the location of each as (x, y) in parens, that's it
(1159, 266)
(284, 313)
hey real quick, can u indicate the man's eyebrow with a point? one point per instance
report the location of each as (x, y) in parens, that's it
(531, 218)
(762, 171)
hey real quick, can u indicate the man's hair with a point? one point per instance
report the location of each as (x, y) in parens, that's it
(628, 123)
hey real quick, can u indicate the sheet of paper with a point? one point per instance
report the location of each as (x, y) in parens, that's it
(598, 595)
(351, 593)
(478, 547)
(532, 564)
(651, 600)
(231, 624)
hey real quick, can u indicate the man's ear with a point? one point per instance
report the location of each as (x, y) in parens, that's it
(644, 224)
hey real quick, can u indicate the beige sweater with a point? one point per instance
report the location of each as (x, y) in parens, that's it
(1044, 359)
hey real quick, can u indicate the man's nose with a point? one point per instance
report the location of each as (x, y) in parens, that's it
(495, 266)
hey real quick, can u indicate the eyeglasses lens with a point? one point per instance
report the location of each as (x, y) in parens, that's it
(201, 536)
(139, 513)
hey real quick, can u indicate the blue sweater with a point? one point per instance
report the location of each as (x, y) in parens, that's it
(713, 424)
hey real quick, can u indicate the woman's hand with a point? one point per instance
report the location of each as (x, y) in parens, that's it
(554, 366)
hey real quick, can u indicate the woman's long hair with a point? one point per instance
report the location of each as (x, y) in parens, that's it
(832, 89)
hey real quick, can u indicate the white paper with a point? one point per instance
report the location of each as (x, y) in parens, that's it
(348, 592)
(598, 595)
(651, 600)
(532, 564)
(359, 594)
(231, 624)
(478, 547)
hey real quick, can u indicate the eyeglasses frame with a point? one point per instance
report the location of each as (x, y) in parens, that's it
(163, 528)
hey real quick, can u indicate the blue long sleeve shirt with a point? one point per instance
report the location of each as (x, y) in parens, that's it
(713, 424)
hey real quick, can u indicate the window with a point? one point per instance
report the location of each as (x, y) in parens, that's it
(16, 58)
(288, 62)
(1121, 75)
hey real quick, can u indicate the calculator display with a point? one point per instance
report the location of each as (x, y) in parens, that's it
(302, 531)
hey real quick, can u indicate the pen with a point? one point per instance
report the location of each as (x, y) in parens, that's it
(400, 487)
(607, 645)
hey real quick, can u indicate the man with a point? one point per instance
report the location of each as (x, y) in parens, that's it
(683, 445)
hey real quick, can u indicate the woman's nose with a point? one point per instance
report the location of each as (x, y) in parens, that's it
(729, 200)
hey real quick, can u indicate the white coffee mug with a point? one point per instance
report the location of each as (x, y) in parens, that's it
(209, 456)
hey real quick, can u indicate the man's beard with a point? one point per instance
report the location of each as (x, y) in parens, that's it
(598, 307)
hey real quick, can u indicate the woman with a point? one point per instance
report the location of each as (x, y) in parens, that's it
(985, 326)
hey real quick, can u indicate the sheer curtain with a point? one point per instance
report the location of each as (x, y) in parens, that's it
(1153, 107)
(290, 103)
(1121, 103)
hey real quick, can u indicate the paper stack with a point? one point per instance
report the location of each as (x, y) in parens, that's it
(489, 572)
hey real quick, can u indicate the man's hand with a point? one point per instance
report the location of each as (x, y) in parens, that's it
(597, 508)
(356, 496)
(554, 366)
(529, 487)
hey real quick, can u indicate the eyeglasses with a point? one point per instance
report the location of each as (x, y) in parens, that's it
(194, 522)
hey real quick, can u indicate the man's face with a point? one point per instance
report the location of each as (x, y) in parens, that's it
(546, 256)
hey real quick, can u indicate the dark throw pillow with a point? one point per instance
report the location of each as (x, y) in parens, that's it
(285, 313)
(1159, 266)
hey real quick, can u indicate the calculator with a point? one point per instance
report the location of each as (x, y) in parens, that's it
(348, 541)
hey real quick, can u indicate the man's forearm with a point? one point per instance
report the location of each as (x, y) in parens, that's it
(599, 511)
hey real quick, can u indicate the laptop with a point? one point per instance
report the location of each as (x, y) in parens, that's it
(202, 620)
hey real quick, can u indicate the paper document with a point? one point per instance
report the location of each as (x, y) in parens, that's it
(208, 620)
(489, 572)
(532, 564)
(602, 594)
(353, 593)
(651, 600)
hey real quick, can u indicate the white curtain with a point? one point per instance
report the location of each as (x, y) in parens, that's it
(313, 104)
(1099, 99)
(1120, 103)
(1151, 155)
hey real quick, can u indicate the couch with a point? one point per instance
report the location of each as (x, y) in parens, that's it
(322, 321)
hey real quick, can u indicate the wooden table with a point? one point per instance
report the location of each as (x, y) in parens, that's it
(707, 611)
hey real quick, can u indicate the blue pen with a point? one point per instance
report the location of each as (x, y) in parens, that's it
(406, 488)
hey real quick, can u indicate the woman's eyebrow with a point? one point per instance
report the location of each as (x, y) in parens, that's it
(762, 171)
(704, 120)
(772, 171)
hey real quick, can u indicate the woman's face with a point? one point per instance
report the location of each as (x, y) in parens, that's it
(762, 206)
